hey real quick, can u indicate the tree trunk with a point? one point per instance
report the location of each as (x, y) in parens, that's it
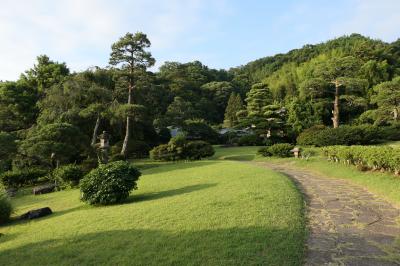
(95, 131)
(128, 120)
(335, 111)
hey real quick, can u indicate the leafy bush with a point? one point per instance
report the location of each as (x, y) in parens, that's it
(383, 158)
(5, 208)
(109, 183)
(278, 150)
(343, 135)
(179, 148)
(67, 175)
(161, 153)
(195, 150)
(19, 178)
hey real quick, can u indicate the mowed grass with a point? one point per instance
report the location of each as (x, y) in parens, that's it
(198, 213)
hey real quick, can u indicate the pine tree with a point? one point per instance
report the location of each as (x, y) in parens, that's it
(258, 97)
(234, 105)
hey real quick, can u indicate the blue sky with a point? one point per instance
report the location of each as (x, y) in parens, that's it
(219, 33)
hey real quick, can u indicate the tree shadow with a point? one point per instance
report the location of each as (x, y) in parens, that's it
(167, 193)
(155, 168)
(228, 246)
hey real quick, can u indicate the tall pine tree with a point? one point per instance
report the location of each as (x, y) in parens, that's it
(235, 104)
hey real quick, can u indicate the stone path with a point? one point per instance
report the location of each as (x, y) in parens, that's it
(347, 224)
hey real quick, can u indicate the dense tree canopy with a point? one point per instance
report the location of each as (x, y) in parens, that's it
(344, 81)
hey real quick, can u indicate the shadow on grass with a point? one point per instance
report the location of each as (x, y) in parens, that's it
(155, 168)
(231, 246)
(167, 193)
(243, 157)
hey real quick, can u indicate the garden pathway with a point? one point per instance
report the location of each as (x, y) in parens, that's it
(348, 225)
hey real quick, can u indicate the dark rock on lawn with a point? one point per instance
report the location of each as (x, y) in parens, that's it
(44, 189)
(33, 214)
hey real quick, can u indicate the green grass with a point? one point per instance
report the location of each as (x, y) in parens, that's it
(199, 213)
(385, 185)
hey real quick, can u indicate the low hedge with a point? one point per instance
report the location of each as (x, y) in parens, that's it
(384, 158)
(321, 136)
(20, 178)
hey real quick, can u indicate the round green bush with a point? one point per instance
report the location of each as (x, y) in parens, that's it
(109, 183)
(195, 150)
(5, 208)
(179, 148)
(67, 175)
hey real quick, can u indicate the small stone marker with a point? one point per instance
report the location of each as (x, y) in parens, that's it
(44, 189)
(296, 152)
(33, 214)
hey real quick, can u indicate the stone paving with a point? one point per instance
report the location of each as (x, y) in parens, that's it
(347, 224)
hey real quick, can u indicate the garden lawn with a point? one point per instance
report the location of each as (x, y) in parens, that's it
(199, 213)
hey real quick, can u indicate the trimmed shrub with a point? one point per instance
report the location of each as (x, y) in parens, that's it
(384, 158)
(277, 150)
(343, 135)
(5, 208)
(161, 153)
(179, 148)
(19, 178)
(67, 175)
(195, 150)
(109, 183)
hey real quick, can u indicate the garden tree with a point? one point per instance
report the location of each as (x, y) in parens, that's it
(218, 92)
(129, 53)
(179, 111)
(64, 140)
(45, 73)
(17, 106)
(264, 117)
(258, 97)
(342, 73)
(199, 130)
(80, 100)
(234, 105)
(387, 97)
(300, 115)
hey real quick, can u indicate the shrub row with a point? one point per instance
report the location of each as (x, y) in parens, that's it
(19, 178)
(383, 158)
(179, 148)
(344, 135)
(277, 150)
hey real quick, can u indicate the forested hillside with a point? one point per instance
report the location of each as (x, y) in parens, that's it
(49, 109)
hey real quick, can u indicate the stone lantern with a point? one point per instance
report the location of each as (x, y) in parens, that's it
(104, 146)
(296, 152)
